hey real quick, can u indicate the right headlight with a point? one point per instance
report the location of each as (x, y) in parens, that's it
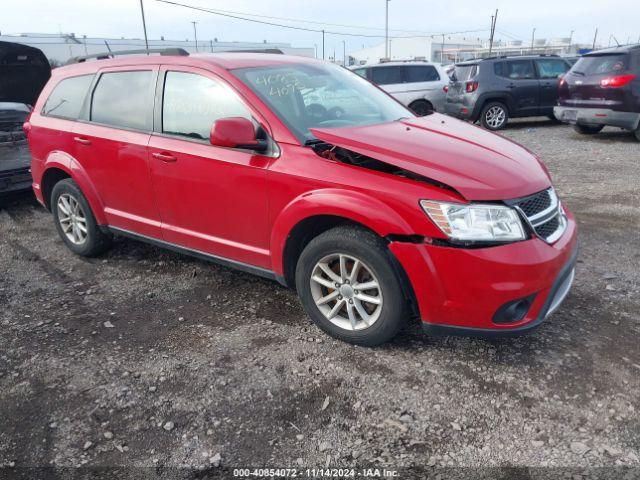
(475, 222)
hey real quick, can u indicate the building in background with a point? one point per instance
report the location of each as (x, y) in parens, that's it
(59, 48)
(455, 49)
(433, 48)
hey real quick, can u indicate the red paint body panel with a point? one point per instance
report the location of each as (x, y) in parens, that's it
(477, 163)
(465, 287)
(242, 206)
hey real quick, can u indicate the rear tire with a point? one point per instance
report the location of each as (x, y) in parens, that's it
(421, 108)
(494, 116)
(588, 129)
(75, 221)
(367, 308)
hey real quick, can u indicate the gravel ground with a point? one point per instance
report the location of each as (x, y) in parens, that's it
(150, 359)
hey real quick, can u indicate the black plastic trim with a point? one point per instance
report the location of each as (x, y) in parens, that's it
(262, 272)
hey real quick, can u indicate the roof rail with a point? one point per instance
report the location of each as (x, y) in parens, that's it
(495, 57)
(104, 55)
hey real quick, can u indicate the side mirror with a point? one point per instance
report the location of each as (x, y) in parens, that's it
(236, 132)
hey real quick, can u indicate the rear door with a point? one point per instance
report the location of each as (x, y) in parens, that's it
(549, 70)
(424, 81)
(111, 144)
(520, 80)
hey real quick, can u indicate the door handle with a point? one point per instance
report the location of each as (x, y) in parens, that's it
(82, 140)
(511, 85)
(165, 157)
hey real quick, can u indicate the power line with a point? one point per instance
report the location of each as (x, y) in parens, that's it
(315, 22)
(306, 29)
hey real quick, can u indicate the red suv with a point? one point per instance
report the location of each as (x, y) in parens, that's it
(374, 215)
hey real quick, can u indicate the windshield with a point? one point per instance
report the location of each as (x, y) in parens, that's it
(306, 96)
(600, 64)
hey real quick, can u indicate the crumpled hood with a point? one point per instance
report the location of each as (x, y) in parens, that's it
(479, 164)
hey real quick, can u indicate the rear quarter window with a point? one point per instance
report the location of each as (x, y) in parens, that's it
(421, 73)
(67, 97)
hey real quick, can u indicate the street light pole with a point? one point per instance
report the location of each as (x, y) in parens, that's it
(144, 26)
(195, 34)
(323, 44)
(386, 29)
(344, 53)
(533, 36)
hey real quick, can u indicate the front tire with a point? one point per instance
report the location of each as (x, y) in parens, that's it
(349, 287)
(588, 129)
(494, 116)
(75, 221)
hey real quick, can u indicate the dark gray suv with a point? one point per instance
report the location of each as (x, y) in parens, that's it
(492, 90)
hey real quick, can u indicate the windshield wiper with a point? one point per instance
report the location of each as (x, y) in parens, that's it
(313, 141)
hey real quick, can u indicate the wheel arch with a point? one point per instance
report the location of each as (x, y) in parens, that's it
(315, 212)
(60, 165)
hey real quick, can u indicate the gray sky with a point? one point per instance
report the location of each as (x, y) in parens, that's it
(116, 18)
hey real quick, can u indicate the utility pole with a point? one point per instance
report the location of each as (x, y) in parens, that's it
(533, 36)
(494, 19)
(144, 26)
(195, 34)
(386, 29)
(571, 37)
(323, 44)
(442, 50)
(594, 39)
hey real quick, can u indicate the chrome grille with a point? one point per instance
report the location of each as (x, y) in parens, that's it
(544, 214)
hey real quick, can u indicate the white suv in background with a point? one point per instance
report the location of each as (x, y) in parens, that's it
(419, 85)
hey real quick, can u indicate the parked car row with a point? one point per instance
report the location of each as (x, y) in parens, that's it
(595, 90)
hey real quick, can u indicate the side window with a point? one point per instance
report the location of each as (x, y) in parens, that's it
(67, 97)
(421, 73)
(386, 75)
(123, 99)
(550, 68)
(515, 69)
(192, 102)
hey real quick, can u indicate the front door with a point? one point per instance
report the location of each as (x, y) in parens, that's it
(112, 147)
(211, 199)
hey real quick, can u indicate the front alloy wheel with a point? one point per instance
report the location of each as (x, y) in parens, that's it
(346, 292)
(351, 286)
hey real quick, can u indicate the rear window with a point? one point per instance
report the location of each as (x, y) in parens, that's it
(123, 99)
(421, 73)
(386, 75)
(601, 64)
(66, 99)
(462, 73)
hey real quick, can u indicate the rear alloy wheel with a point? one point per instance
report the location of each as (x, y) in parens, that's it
(348, 285)
(421, 108)
(494, 116)
(588, 129)
(75, 222)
